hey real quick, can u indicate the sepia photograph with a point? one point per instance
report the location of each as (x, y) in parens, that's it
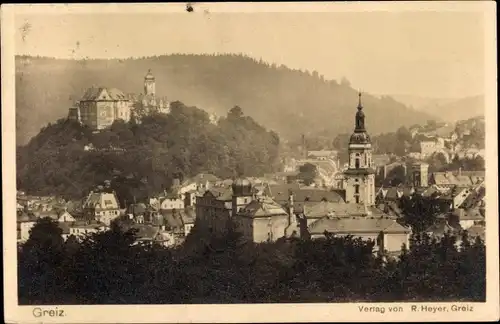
(268, 157)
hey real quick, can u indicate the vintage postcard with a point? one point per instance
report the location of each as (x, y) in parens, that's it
(250, 162)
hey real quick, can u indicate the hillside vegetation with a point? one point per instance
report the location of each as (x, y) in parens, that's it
(291, 102)
(142, 159)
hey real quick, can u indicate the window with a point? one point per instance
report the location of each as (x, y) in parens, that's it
(356, 189)
(357, 163)
(357, 199)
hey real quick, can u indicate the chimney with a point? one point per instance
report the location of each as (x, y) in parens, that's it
(460, 171)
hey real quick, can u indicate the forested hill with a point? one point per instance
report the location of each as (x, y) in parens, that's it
(143, 159)
(288, 101)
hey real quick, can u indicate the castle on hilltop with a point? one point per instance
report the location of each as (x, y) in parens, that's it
(101, 106)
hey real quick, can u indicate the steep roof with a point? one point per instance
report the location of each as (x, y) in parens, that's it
(451, 178)
(93, 93)
(262, 208)
(393, 193)
(204, 177)
(475, 197)
(101, 200)
(468, 214)
(222, 193)
(280, 193)
(324, 208)
(356, 225)
(116, 94)
(52, 214)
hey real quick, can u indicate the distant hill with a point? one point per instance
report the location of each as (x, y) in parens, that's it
(288, 101)
(420, 102)
(449, 110)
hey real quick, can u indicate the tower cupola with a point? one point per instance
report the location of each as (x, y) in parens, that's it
(149, 84)
(360, 136)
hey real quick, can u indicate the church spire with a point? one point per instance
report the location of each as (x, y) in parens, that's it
(360, 117)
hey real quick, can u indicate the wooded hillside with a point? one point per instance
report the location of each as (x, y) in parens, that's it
(291, 102)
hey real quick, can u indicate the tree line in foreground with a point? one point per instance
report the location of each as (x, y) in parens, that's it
(108, 268)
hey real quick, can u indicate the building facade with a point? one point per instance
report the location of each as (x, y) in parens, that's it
(102, 207)
(420, 174)
(100, 107)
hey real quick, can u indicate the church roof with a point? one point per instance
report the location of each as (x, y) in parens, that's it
(281, 193)
(360, 138)
(373, 225)
(326, 208)
(149, 76)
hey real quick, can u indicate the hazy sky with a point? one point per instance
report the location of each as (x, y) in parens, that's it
(420, 53)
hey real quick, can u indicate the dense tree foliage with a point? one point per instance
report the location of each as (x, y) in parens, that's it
(419, 211)
(307, 173)
(141, 159)
(470, 164)
(289, 101)
(107, 268)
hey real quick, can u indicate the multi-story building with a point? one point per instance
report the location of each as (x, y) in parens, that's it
(102, 207)
(291, 210)
(100, 107)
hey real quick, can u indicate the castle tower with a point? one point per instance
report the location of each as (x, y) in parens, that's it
(149, 84)
(242, 194)
(420, 174)
(360, 175)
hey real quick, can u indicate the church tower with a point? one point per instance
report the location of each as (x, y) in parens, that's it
(360, 175)
(149, 84)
